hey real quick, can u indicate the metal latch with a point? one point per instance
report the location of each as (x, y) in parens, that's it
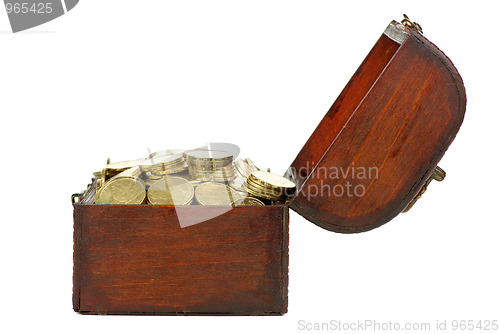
(75, 198)
(411, 25)
(438, 174)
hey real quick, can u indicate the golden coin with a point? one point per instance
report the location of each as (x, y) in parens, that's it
(220, 175)
(166, 159)
(264, 190)
(211, 167)
(251, 164)
(260, 191)
(212, 156)
(122, 191)
(149, 179)
(243, 168)
(271, 180)
(165, 153)
(263, 194)
(115, 168)
(163, 170)
(104, 175)
(214, 176)
(162, 162)
(227, 171)
(214, 179)
(171, 190)
(250, 201)
(212, 193)
(123, 165)
(209, 161)
(131, 172)
(212, 173)
(277, 193)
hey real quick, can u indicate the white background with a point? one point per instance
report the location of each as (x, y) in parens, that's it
(114, 78)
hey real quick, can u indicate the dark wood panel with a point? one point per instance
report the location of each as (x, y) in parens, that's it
(138, 260)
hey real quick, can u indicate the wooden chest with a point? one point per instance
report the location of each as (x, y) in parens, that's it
(396, 117)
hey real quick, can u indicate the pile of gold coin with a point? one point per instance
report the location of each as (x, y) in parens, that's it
(195, 177)
(161, 165)
(210, 165)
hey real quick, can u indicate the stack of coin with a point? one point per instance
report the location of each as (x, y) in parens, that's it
(269, 186)
(171, 190)
(164, 165)
(125, 188)
(210, 165)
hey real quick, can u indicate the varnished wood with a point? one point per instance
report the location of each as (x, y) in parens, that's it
(398, 114)
(137, 260)
(342, 109)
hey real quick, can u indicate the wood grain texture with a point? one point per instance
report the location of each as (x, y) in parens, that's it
(396, 118)
(137, 260)
(338, 115)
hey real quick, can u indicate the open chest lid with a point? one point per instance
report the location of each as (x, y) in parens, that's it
(376, 148)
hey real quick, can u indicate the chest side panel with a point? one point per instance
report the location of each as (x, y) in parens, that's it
(137, 260)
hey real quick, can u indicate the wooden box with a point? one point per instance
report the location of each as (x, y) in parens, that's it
(398, 114)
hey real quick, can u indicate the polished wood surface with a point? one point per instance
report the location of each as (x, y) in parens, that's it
(396, 118)
(350, 97)
(137, 260)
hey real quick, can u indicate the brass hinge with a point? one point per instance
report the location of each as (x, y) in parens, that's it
(411, 25)
(438, 174)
